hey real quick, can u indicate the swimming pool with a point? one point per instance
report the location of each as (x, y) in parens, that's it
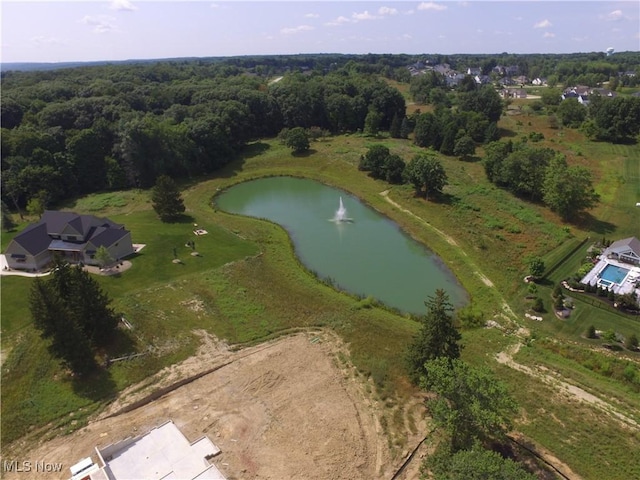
(614, 274)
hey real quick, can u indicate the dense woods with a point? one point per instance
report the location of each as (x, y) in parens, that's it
(77, 131)
(73, 131)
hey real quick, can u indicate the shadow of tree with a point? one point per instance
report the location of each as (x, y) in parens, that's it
(182, 218)
(304, 154)
(587, 221)
(96, 386)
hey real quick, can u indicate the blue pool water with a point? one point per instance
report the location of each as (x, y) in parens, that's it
(614, 274)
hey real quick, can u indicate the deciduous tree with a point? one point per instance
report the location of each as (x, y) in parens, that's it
(297, 139)
(477, 464)
(426, 173)
(568, 190)
(470, 404)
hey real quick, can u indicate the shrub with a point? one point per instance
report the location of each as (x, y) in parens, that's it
(610, 336)
(537, 306)
(631, 342)
(591, 332)
(558, 303)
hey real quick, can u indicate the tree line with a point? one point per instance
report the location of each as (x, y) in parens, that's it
(76, 131)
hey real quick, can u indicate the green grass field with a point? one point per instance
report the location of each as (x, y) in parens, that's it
(248, 286)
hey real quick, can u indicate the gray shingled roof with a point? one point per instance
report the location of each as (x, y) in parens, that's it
(632, 242)
(99, 231)
(34, 238)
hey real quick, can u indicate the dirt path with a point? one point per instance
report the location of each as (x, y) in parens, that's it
(282, 410)
(506, 358)
(451, 241)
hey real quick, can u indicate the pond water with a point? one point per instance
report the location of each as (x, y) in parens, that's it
(364, 253)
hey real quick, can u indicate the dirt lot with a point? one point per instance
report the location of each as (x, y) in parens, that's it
(285, 409)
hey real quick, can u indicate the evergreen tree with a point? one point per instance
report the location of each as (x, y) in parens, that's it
(405, 128)
(51, 317)
(396, 127)
(73, 312)
(166, 199)
(438, 336)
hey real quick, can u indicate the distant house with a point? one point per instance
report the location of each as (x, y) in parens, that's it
(539, 81)
(473, 71)
(74, 237)
(618, 268)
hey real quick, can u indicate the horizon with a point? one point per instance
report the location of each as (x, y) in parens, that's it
(129, 30)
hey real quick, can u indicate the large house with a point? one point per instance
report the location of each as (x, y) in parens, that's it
(618, 268)
(74, 237)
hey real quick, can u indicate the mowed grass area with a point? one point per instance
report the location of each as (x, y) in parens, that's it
(248, 286)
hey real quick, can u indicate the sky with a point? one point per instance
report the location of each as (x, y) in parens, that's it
(96, 30)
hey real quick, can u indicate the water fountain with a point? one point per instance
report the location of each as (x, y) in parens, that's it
(341, 213)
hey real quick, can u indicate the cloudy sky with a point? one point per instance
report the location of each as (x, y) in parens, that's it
(85, 30)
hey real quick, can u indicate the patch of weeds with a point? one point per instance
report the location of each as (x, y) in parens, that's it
(493, 223)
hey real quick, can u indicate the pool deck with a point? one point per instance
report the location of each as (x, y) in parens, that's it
(628, 284)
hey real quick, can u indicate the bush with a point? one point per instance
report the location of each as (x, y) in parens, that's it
(558, 303)
(591, 332)
(631, 342)
(537, 306)
(610, 336)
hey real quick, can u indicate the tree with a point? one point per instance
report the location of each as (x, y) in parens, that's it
(73, 312)
(7, 221)
(297, 139)
(536, 267)
(568, 190)
(438, 337)
(374, 161)
(372, 122)
(572, 113)
(51, 317)
(426, 172)
(103, 257)
(464, 147)
(166, 199)
(631, 342)
(35, 206)
(393, 169)
(395, 128)
(470, 404)
(591, 332)
(478, 464)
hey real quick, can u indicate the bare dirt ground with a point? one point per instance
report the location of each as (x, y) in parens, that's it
(281, 410)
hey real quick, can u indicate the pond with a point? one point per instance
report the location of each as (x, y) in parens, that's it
(339, 237)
